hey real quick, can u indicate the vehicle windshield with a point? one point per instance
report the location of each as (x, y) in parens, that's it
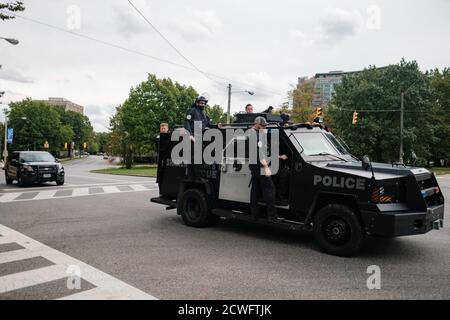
(315, 143)
(36, 157)
(337, 144)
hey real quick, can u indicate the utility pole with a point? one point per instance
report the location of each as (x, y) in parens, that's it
(229, 104)
(402, 109)
(5, 146)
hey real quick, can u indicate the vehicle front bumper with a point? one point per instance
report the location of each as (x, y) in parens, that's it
(396, 224)
(39, 177)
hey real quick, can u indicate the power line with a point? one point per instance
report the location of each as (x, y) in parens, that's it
(138, 53)
(170, 43)
(102, 41)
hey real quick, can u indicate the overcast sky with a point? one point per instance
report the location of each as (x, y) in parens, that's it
(262, 46)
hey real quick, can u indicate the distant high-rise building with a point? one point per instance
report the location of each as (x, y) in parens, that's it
(64, 103)
(324, 87)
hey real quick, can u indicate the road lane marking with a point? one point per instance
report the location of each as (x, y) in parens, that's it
(45, 195)
(80, 192)
(96, 178)
(111, 189)
(8, 197)
(107, 287)
(138, 187)
(74, 192)
(16, 255)
(30, 278)
(67, 186)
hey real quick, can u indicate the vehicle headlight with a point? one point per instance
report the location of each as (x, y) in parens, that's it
(27, 168)
(59, 168)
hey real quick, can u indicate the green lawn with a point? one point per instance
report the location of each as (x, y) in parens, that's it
(141, 171)
(440, 170)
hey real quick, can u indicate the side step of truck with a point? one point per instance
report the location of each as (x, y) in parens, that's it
(283, 223)
(169, 203)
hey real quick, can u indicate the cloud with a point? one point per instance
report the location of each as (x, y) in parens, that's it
(14, 75)
(128, 23)
(301, 37)
(337, 25)
(258, 82)
(196, 24)
(99, 116)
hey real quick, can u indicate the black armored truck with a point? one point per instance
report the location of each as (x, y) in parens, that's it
(326, 190)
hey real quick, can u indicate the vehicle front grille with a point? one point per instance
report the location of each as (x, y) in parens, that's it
(47, 169)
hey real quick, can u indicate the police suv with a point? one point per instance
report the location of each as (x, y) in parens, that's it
(338, 197)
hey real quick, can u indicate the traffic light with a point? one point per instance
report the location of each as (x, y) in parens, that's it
(355, 118)
(85, 145)
(65, 145)
(319, 112)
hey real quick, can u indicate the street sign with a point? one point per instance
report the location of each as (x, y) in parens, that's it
(10, 135)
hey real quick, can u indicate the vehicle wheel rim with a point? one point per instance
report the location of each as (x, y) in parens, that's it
(336, 230)
(192, 209)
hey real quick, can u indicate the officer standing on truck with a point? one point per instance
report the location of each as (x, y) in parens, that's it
(197, 113)
(262, 182)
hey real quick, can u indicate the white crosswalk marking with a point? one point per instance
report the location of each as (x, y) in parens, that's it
(17, 255)
(80, 192)
(31, 278)
(106, 286)
(9, 196)
(42, 194)
(45, 195)
(138, 187)
(111, 189)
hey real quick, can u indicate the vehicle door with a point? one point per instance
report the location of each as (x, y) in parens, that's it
(13, 166)
(235, 173)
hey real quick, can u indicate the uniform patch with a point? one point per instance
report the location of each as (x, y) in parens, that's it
(189, 117)
(260, 144)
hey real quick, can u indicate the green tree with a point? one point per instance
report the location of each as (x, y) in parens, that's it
(216, 113)
(440, 84)
(9, 7)
(302, 98)
(80, 125)
(137, 120)
(34, 123)
(375, 94)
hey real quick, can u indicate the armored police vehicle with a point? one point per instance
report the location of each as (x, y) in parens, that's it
(340, 198)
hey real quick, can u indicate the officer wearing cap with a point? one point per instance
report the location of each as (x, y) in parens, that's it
(197, 113)
(261, 177)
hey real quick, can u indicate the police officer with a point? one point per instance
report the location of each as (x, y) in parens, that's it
(261, 177)
(197, 113)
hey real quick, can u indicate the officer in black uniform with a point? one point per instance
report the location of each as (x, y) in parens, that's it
(262, 181)
(196, 114)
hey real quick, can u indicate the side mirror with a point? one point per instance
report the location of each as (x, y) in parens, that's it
(365, 162)
(57, 160)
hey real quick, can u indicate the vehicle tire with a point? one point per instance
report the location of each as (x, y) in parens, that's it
(194, 209)
(338, 230)
(60, 182)
(20, 181)
(8, 179)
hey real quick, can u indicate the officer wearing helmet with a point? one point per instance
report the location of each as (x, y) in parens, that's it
(197, 113)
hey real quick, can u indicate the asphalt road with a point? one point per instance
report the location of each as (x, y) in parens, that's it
(128, 247)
